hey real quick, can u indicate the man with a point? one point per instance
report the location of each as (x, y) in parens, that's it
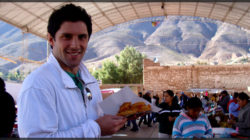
(146, 96)
(140, 94)
(192, 124)
(60, 99)
(8, 111)
(225, 98)
(183, 100)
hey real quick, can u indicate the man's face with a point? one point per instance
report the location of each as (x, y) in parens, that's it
(70, 44)
(241, 103)
(194, 112)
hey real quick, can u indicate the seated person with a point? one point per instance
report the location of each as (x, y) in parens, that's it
(192, 124)
(233, 107)
(244, 115)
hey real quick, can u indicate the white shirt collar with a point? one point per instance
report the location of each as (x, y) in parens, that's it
(66, 79)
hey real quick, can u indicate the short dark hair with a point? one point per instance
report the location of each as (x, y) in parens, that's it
(243, 96)
(169, 92)
(236, 94)
(194, 102)
(206, 98)
(68, 12)
(224, 92)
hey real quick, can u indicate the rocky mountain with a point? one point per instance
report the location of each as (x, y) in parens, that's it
(228, 43)
(172, 40)
(15, 45)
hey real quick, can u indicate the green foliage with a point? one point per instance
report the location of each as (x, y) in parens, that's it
(181, 64)
(4, 75)
(109, 73)
(244, 60)
(127, 69)
(1, 74)
(16, 76)
(201, 63)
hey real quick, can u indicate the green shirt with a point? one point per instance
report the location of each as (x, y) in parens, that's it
(74, 77)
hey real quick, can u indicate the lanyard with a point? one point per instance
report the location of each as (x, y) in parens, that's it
(85, 88)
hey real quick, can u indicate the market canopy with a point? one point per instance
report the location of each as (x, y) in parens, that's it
(32, 17)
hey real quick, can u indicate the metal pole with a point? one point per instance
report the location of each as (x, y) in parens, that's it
(25, 46)
(48, 48)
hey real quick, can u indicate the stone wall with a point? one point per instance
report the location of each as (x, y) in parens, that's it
(182, 78)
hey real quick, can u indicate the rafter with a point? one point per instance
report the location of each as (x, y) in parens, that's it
(212, 9)
(228, 11)
(103, 13)
(247, 11)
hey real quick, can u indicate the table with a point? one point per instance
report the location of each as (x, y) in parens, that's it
(220, 132)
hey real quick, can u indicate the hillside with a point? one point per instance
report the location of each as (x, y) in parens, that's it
(174, 40)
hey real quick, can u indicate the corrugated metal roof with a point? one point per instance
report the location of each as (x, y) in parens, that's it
(33, 16)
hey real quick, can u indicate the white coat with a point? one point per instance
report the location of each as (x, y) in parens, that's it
(51, 105)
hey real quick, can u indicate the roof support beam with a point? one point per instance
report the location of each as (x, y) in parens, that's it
(196, 7)
(164, 10)
(119, 12)
(247, 11)
(228, 11)
(21, 27)
(51, 10)
(137, 15)
(96, 24)
(150, 10)
(212, 9)
(38, 17)
(179, 9)
(103, 13)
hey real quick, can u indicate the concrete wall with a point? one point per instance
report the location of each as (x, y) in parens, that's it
(182, 78)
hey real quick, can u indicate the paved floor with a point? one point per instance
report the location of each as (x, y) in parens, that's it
(143, 132)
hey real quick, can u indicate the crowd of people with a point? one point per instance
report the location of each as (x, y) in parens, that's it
(61, 98)
(185, 116)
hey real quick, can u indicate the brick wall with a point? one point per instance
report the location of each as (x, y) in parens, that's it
(182, 78)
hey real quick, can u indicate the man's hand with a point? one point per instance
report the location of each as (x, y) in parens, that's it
(110, 124)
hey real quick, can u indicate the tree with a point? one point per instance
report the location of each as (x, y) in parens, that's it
(11, 76)
(16, 76)
(109, 73)
(127, 69)
(130, 65)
